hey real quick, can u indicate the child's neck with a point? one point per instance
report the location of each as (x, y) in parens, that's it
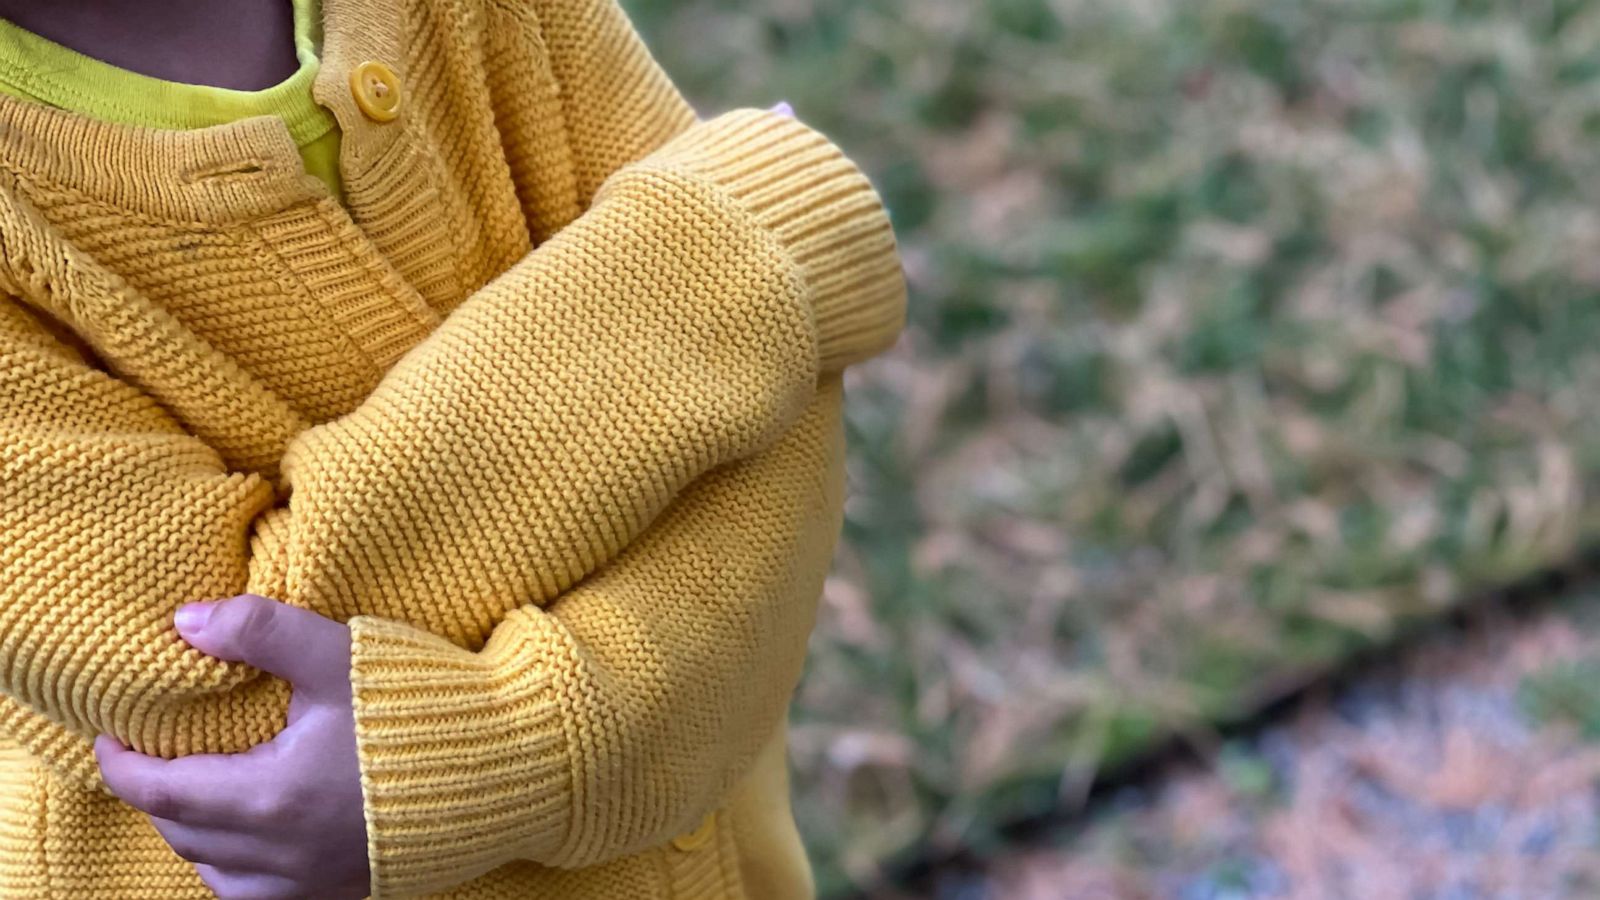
(241, 44)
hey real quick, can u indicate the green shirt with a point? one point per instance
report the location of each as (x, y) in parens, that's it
(38, 69)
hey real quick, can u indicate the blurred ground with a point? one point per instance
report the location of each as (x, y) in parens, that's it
(1244, 335)
(1466, 771)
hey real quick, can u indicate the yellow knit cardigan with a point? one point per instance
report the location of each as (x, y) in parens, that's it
(548, 413)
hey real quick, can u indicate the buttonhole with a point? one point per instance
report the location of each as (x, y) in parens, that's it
(236, 169)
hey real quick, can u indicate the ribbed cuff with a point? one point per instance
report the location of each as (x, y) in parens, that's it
(464, 763)
(821, 208)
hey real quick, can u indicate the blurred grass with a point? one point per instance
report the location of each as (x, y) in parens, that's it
(1243, 333)
(1566, 693)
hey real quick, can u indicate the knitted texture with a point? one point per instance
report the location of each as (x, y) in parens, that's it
(548, 413)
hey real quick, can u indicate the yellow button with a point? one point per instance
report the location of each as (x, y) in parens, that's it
(377, 90)
(698, 837)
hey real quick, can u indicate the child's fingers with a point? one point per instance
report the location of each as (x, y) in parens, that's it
(308, 650)
(223, 848)
(247, 884)
(203, 789)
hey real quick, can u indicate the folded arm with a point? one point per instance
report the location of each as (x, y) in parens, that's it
(617, 716)
(669, 330)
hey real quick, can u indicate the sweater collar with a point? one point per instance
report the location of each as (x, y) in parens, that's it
(222, 173)
(208, 175)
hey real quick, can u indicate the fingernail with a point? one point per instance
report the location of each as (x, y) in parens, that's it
(192, 617)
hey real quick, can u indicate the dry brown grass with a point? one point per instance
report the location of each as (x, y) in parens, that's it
(1435, 778)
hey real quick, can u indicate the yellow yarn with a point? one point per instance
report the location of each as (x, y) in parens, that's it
(549, 414)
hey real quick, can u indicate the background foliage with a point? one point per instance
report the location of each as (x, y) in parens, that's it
(1243, 333)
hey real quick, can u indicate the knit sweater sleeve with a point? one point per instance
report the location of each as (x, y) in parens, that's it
(111, 515)
(603, 715)
(614, 106)
(614, 717)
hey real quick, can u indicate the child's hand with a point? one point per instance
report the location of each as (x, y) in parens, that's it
(283, 819)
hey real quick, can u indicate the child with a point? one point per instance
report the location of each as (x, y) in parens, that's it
(497, 394)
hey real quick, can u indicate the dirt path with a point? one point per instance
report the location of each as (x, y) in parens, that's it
(1462, 772)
